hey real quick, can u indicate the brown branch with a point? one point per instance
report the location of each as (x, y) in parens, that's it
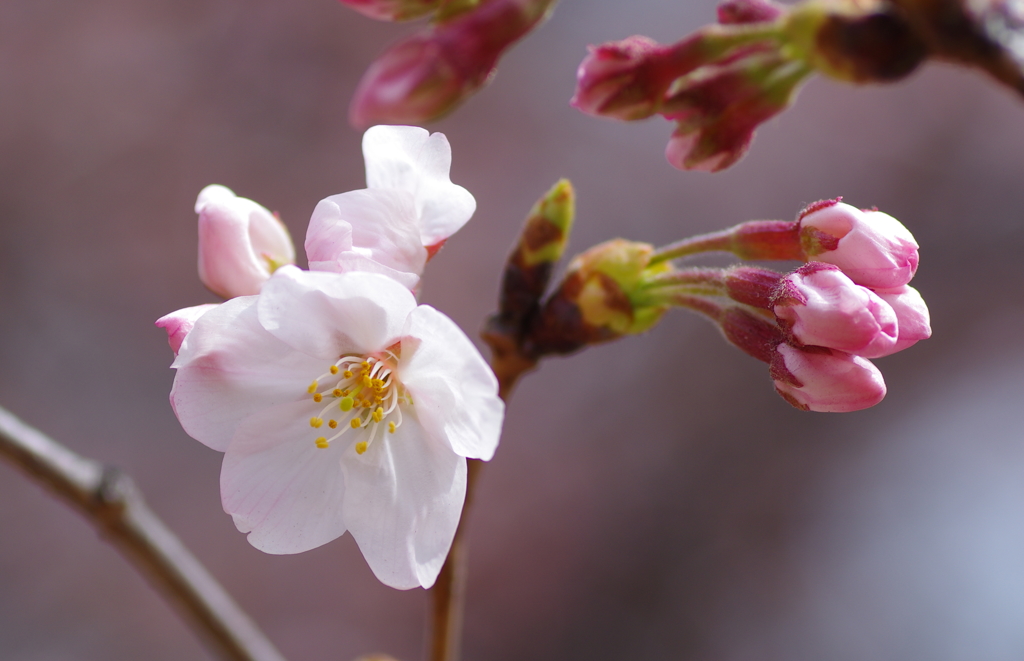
(112, 503)
(448, 596)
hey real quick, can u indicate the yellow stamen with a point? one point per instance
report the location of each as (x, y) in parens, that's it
(337, 392)
(356, 423)
(378, 415)
(334, 369)
(391, 427)
(333, 424)
(316, 422)
(322, 443)
(317, 397)
(347, 374)
(312, 387)
(361, 447)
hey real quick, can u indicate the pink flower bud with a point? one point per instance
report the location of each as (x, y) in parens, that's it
(431, 72)
(178, 324)
(819, 379)
(911, 312)
(733, 12)
(393, 10)
(240, 243)
(822, 307)
(719, 107)
(872, 248)
(622, 79)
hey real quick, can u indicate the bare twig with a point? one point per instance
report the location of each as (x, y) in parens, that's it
(109, 500)
(448, 596)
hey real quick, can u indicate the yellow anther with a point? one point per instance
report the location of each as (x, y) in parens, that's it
(346, 404)
(391, 427)
(322, 443)
(337, 392)
(356, 423)
(312, 387)
(334, 369)
(316, 422)
(317, 397)
(361, 447)
(378, 414)
(333, 424)
(347, 374)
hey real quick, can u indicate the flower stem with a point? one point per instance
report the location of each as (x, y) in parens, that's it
(448, 595)
(112, 503)
(714, 241)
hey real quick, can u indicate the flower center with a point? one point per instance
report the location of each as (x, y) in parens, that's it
(361, 396)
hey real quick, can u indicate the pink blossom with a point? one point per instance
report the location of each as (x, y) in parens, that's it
(819, 379)
(872, 248)
(240, 242)
(820, 306)
(179, 323)
(911, 312)
(340, 405)
(409, 208)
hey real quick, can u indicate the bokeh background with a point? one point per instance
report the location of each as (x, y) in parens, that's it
(653, 498)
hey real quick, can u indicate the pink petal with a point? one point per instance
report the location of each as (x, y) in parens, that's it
(454, 390)
(403, 500)
(410, 159)
(278, 486)
(178, 324)
(330, 314)
(230, 367)
(379, 224)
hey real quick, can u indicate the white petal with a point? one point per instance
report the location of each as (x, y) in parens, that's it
(403, 500)
(278, 486)
(380, 224)
(454, 391)
(330, 314)
(229, 367)
(353, 261)
(409, 158)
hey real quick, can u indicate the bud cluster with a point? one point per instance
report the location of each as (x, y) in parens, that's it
(720, 83)
(818, 325)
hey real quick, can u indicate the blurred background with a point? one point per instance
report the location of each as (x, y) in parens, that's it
(653, 498)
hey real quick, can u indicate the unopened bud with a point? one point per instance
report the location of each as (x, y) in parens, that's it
(601, 298)
(820, 379)
(733, 12)
(428, 74)
(240, 243)
(542, 241)
(718, 107)
(623, 79)
(818, 305)
(911, 313)
(393, 10)
(872, 248)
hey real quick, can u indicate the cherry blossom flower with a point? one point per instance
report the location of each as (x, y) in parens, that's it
(408, 210)
(340, 404)
(240, 242)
